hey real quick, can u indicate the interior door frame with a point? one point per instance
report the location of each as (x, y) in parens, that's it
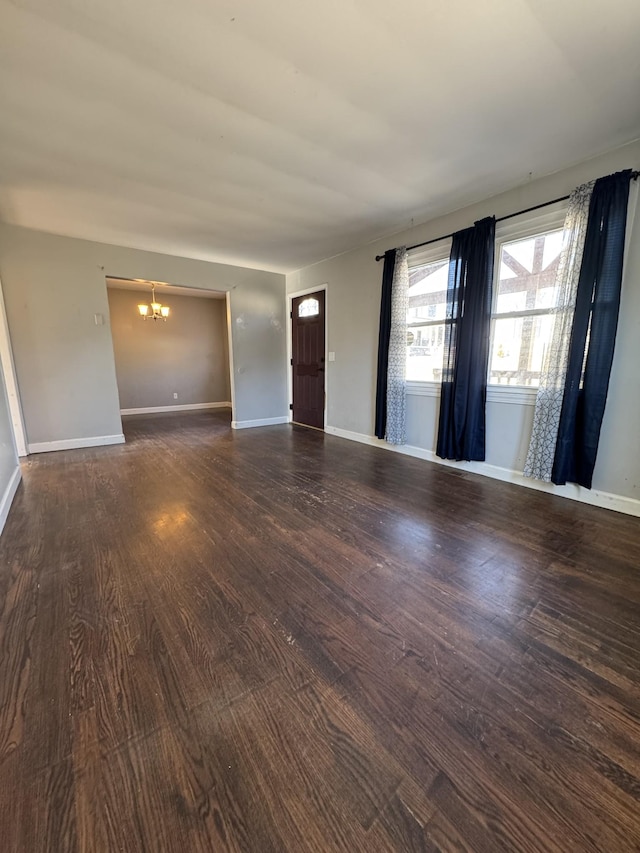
(290, 298)
(11, 383)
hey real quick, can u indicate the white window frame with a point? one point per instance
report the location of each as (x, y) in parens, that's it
(549, 218)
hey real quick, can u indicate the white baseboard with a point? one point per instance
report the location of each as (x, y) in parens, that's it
(260, 422)
(606, 500)
(7, 497)
(74, 443)
(187, 407)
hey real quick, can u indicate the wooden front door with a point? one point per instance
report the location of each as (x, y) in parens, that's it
(307, 347)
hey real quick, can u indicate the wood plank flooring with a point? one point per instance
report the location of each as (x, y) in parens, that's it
(277, 640)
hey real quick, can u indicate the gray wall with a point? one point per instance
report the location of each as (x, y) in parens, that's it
(53, 286)
(187, 355)
(258, 330)
(353, 304)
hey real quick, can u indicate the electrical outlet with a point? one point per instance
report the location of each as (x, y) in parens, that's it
(175, 395)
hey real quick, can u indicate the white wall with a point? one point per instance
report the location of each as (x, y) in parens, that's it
(186, 355)
(53, 286)
(354, 281)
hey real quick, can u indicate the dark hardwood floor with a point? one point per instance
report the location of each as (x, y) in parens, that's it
(277, 640)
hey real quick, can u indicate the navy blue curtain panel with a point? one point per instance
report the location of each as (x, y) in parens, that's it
(593, 332)
(383, 342)
(461, 427)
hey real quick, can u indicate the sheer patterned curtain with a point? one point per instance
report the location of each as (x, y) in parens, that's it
(546, 419)
(397, 359)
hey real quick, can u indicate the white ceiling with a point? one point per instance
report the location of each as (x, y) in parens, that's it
(274, 134)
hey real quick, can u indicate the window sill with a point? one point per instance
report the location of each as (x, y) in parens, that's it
(519, 395)
(513, 394)
(422, 389)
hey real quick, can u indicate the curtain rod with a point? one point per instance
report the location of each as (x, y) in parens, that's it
(634, 176)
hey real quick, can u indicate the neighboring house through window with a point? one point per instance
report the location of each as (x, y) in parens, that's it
(428, 273)
(524, 295)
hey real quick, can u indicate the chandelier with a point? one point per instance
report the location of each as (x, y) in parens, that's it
(157, 312)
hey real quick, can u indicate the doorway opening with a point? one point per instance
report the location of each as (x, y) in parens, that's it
(174, 357)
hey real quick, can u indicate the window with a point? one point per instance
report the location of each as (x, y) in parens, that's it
(524, 295)
(425, 320)
(309, 308)
(527, 255)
